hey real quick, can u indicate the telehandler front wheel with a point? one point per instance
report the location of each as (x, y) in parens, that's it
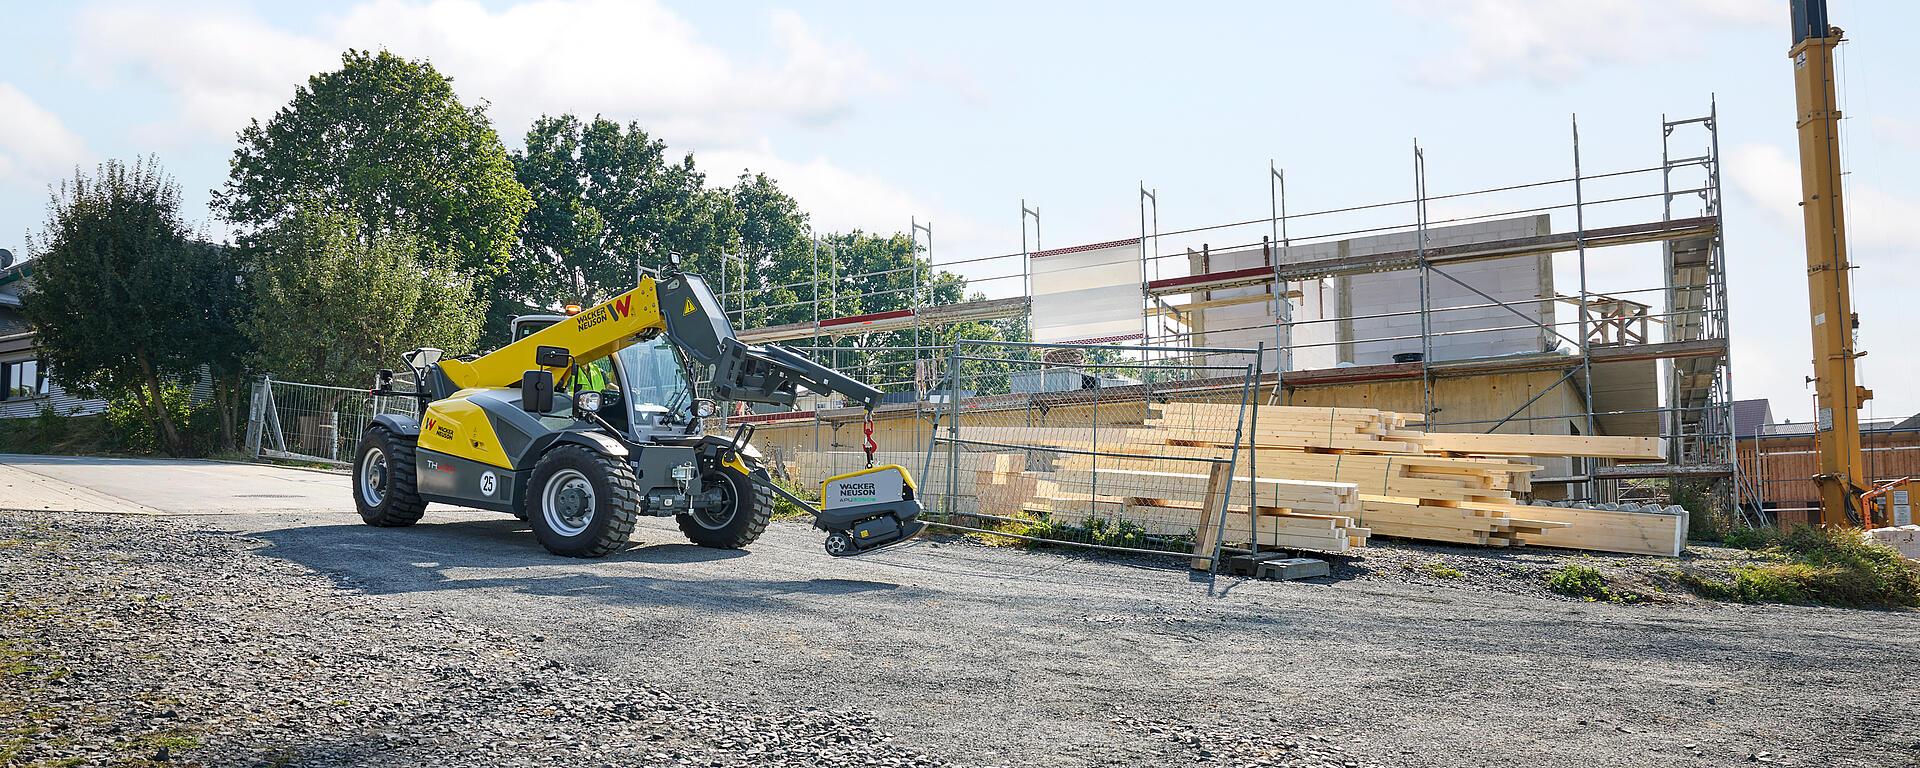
(581, 503)
(742, 515)
(384, 486)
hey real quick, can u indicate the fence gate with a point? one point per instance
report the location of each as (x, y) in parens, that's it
(1070, 444)
(313, 422)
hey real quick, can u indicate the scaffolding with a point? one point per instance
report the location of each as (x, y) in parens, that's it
(1673, 327)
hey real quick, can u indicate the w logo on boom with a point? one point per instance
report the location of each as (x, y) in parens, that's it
(620, 306)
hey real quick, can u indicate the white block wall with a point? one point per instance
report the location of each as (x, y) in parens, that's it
(1519, 281)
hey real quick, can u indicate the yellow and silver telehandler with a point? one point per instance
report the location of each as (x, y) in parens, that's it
(585, 422)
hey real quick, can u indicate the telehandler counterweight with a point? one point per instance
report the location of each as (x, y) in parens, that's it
(493, 431)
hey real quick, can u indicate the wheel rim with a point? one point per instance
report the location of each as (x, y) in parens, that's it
(567, 503)
(717, 517)
(373, 477)
(838, 544)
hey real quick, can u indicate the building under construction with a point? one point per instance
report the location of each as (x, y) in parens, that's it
(1480, 310)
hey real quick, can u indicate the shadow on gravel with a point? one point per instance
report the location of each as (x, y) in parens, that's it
(459, 556)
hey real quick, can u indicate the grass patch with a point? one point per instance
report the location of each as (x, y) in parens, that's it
(1588, 583)
(1824, 566)
(1440, 570)
(787, 510)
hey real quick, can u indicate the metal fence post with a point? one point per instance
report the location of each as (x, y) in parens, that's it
(256, 415)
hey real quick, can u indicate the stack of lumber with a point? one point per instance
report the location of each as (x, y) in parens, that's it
(1284, 513)
(1449, 487)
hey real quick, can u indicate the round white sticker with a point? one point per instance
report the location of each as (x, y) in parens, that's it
(488, 483)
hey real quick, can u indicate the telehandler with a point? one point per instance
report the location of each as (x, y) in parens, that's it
(586, 421)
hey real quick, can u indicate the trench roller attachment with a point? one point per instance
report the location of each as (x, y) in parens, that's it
(865, 510)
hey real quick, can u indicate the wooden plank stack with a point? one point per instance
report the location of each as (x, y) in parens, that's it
(1323, 479)
(1449, 487)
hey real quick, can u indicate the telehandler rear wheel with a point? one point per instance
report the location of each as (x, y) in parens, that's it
(581, 503)
(745, 508)
(384, 486)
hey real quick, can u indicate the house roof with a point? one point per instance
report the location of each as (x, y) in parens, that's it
(1750, 416)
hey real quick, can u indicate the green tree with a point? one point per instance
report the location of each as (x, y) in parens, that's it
(332, 305)
(386, 141)
(605, 198)
(125, 304)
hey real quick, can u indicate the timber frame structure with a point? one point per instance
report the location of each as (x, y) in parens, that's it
(1677, 328)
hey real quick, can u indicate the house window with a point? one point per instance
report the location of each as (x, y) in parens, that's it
(24, 379)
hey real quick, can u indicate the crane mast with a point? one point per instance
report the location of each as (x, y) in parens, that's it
(1838, 394)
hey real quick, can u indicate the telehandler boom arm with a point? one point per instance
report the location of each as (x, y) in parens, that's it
(682, 307)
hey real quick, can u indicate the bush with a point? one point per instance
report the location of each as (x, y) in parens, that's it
(787, 510)
(1752, 538)
(1584, 582)
(1828, 566)
(131, 427)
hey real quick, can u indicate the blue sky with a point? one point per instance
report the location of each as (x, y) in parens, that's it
(871, 113)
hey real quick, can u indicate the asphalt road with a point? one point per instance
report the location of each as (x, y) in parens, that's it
(998, 657)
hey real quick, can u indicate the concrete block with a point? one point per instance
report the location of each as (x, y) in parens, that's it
(1904, 539)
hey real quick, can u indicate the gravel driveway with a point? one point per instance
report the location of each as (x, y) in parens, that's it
(297, 636)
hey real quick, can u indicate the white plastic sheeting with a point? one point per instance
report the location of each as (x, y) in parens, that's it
(1087, 292)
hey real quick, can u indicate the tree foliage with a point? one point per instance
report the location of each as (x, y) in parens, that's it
(125, 303)
(605, 199)
(332, 305)
(386, 141)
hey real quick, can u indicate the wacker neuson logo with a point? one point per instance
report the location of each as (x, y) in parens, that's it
(858, 491)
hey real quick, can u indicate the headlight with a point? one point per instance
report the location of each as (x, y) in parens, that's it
(705, 408)
(685, 473)
(587, 402)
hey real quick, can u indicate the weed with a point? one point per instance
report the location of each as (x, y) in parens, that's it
(1828, 566)
(1440, 570)
(174, 740)
(787, 510)
(1581, 581)
(1752, 538)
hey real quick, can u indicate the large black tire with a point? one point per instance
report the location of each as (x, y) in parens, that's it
(581, 503)
(736, 524)
(385, 489)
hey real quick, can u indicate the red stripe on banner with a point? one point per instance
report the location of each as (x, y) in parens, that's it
(1087, 247)
(765, 417)
(1102, 339)
(1231, 274)
(866, 318)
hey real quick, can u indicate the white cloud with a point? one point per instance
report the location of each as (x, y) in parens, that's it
(35, 146)
(622, 58)
(222, 68)
(1877, 220)
(1901, 131)
(840, 200)
(1554, 41)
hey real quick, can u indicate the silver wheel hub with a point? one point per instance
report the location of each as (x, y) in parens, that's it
(718, 516)
(567, 502)
(373, 477)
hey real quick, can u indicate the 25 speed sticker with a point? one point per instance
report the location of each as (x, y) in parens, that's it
(488, 483)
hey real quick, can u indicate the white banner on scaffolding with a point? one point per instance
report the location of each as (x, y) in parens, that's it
(1087, 292)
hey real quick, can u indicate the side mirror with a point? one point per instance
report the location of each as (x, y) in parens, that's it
(536, 391)
(552, 357)
(587, 402)
(705, 409)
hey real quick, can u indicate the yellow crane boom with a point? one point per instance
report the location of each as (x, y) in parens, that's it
(1838, 394)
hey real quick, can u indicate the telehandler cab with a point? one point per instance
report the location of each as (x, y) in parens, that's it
(585, 422)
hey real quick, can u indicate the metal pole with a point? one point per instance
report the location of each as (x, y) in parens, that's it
(1586, 334)
(1426, 299)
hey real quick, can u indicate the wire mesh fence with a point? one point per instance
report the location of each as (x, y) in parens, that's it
(313, 422)
(1112, 447)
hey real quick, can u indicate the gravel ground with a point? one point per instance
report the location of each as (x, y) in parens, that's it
(141, 642)
(262, 624)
